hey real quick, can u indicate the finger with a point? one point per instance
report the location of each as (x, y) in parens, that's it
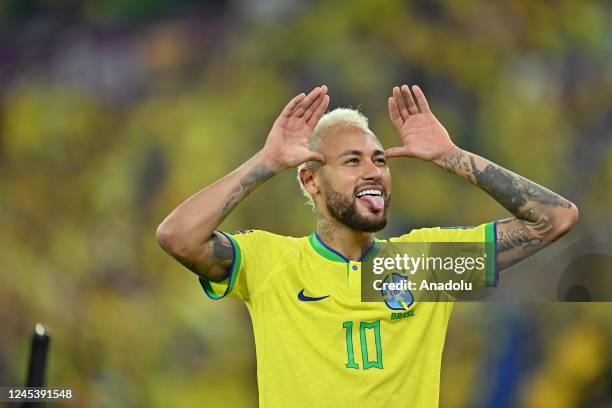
(401, 104)
(292, 104)
(310, 98)
(318, 113)
(313, 107)
(394, 113)
(421, 99)
(397, 152)
(412, 108)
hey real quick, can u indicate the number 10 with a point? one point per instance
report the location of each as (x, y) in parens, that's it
(363, 326)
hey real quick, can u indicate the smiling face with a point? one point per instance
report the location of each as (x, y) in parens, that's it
(354, 186)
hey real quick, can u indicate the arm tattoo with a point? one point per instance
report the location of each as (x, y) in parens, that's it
(515, 193)
(222, 249)
(247, 183)
(519, 237)
(214, 268)
(455, 162)
(533, 206)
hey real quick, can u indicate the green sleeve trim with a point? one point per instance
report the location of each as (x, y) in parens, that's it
(491, 273)
(233, 275)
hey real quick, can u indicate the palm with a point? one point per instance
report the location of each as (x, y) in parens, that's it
(287, 141)
(422, 135)
(290, 138)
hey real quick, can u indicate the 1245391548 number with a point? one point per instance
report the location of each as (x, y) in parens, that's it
(8, 394)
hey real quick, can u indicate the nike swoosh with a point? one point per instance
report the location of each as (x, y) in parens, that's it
(304, 298)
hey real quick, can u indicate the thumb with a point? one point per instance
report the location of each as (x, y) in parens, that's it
(397, 152)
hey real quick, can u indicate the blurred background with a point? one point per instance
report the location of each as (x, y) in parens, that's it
(113, 112)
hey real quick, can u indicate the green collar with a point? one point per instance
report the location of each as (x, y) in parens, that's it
(329, 253)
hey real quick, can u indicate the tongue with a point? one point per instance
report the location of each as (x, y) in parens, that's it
(375, 202)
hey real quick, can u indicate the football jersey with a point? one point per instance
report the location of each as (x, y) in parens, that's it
(317, 343)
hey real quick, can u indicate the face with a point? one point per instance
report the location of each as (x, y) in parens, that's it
(355, 183)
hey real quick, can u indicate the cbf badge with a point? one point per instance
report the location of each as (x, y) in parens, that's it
(397, 299)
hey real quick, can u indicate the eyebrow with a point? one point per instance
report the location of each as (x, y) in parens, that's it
(351, 152)
(377, 152)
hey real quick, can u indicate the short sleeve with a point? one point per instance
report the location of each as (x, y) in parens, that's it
(484, 233)
(255, 254)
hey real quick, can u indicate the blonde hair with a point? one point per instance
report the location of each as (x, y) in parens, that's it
(336, 117)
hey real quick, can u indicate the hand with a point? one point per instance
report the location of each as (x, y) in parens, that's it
(423, 137)
(287, 143)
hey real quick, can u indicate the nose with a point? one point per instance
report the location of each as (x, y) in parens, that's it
(372, 171)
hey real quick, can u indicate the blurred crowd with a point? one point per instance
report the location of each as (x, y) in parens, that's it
(113, 112)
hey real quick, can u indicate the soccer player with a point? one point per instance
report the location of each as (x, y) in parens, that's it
(317, 344)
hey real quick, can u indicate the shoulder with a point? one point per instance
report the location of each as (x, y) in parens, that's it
(416, 234)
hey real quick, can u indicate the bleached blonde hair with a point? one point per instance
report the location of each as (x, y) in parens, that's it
(336, 117)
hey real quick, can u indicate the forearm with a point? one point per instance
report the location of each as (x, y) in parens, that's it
(543, 209)
(189, 227)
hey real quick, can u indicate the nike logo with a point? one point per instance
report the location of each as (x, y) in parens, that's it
(304, 298)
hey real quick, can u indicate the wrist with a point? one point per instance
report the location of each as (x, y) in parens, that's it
(270, 161)
(452, 151)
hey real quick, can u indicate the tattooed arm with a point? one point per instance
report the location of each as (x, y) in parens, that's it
(540, 215)
(189, 232)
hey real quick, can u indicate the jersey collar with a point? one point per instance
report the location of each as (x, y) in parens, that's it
(331, 254)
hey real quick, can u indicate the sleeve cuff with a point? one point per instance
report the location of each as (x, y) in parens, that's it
(492, 272)
(219, 290)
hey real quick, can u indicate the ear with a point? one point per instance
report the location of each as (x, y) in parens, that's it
(309, 181)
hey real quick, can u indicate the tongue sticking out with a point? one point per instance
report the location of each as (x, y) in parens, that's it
(377, 203)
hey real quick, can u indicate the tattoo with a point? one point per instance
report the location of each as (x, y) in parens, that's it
(542, 223)
(257, 175)
(531, 204)
(222, 249)
(455, 162)
(510, 239)
(515, 192)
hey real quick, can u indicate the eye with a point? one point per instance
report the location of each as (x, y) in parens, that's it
(352, 161)
(381, 160)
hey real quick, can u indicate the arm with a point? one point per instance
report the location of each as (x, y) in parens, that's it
(540, 215)
(189, 233)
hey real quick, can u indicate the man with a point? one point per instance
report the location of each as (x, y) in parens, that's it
(317, 344)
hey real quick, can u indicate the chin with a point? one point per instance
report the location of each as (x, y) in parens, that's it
(355, 215)
(370, 222)
(376, 228)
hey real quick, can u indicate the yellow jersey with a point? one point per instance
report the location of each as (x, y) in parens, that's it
(317, 344)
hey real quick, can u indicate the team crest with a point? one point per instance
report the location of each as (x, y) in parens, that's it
(397, 299)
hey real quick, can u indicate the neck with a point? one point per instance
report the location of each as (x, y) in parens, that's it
(350, 243)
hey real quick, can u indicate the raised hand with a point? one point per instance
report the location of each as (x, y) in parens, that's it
(423, 136)
(287, 143)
